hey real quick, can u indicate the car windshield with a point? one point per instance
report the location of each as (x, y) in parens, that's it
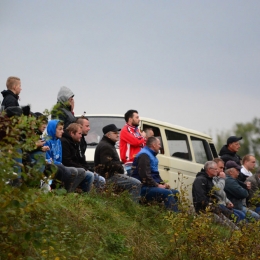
(97, 123)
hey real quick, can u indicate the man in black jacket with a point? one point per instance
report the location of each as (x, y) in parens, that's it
(99, 181)
(70, 152)
(11, 95)
(202, 192)
(108, 164)
(229, 151)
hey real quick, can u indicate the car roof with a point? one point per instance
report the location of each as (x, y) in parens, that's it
(154, 121)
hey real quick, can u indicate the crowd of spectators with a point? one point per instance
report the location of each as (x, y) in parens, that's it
(225, 186)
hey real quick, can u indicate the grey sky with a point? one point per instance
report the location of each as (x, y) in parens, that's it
(190, 63)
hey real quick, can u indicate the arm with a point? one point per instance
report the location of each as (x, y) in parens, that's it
(109, 161)
(234, 188)
(131, 139)
(199, 193)
(68, 155)
(144, 171)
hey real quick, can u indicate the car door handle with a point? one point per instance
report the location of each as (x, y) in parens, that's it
(166, 168)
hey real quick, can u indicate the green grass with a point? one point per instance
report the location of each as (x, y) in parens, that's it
(108, 226)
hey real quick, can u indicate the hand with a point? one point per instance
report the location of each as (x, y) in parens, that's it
(167, 186)
(40, 143)
(143, 134)
(230, 205)
(45, 148)
(222, 175)
(162, 186)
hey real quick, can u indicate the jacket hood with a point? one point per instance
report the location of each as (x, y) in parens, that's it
(68, 136)
(9, 92)
(51, 128)
(64, 94)
(203, 173)
(224, 150)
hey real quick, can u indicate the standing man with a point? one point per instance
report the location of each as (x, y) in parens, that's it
(229, 151)
(64, 109)
(255, 188)
(248, 164)
(11, 95)
(108, 165)
(146, 170)
(131, 139)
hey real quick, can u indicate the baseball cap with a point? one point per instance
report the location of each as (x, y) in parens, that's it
(232, 164)
(233, 139)
(110, 128)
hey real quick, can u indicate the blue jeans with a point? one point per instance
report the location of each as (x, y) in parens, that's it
(158, 194)
(38, 158)
(240, 215)
(72, 177)
(251, 213)
(86, 184)
(99, 181)
(124, 182)
(257, 210)
(128, 169)
(18, 167)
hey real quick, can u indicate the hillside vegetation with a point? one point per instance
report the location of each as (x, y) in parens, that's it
(57, 225)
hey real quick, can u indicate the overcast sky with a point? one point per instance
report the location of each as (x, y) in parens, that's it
(190, 63)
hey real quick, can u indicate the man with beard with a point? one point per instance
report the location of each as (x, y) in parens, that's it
(99, 181)
(131, 139)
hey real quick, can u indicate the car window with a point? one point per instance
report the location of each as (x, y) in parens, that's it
(95, 133)
(178, 145)
(199, 146)
(157, 133)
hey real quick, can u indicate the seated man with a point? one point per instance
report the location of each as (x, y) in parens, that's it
(108, 165)
(71, 149)
(70, 176)
(236, 190)
(202, 192)
(99, 181)
(145, 169)
(255, 188)
(225, 204)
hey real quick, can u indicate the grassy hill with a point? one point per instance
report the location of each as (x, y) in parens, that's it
(57, 226)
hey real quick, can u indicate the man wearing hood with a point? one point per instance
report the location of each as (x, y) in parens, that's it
(229, 151)
(11, 95)
(202, 192)
(63, 110)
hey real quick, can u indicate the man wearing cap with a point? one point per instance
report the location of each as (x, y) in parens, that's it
(108, 165)
(63, 110)
(229, 151)
(237, 191)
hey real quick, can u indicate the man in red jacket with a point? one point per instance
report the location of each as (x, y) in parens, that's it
(131, 139)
